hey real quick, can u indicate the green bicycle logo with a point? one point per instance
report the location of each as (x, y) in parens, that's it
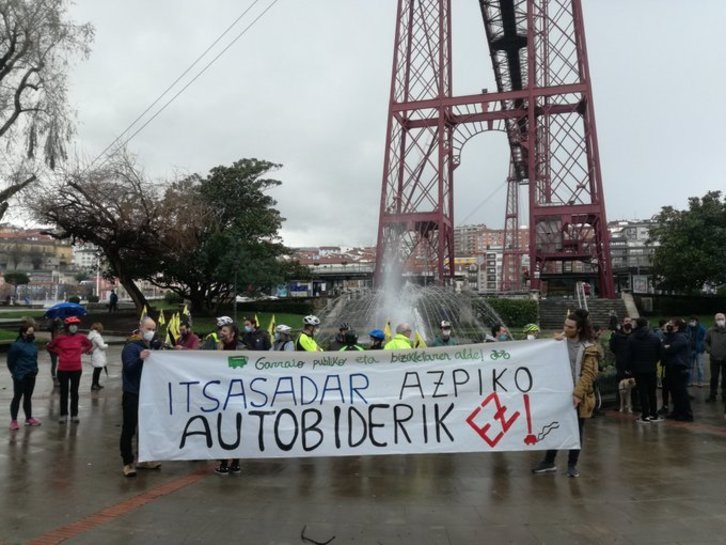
(496, 354)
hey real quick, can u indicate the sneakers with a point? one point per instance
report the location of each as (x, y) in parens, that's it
(234, 469)
(657, 419)
(645, 420)
(572, 472)
(63, 419)
(33, 422)
(95, 387)
(221, 470)
(14, 425)
(129, 470)
(75, 419)
(545, 467)
(148, 465)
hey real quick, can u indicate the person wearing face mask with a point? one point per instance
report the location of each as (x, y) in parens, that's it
(677, 356)
(255, 338)
(69, 347)
(306, 341)
(187, 339)
(500, 333)
(283, 340)
(715, 343)
(402, 340)
(618, 345)
(229, 340)
(23, 366)
(697, 335)
(135, 352)
(445, 338)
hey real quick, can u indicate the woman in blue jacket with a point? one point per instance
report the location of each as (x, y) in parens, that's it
(677, 355)
(23, 365)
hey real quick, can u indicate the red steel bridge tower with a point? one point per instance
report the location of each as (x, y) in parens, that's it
(543, 104)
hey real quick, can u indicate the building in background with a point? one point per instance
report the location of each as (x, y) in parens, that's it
(632, 255)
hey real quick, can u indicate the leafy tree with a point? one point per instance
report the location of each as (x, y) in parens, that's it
(16, 278)
(37, 43)
(221, 231)
(691, 244)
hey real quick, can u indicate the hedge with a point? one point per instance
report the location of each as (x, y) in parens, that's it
(514, 312)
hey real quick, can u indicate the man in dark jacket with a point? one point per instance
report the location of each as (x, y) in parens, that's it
(677, 355)
(644, 351)
(716, 345)
(619, 347)
(135, 352)
(255, 338)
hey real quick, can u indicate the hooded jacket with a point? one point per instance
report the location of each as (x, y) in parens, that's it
(677, 350)
(644, 351)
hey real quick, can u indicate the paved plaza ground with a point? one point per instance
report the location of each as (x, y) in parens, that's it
(640, 484)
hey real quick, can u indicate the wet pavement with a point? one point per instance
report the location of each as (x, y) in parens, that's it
(639, 484)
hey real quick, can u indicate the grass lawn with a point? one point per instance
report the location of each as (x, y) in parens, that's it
(17, 314)
(6, 335)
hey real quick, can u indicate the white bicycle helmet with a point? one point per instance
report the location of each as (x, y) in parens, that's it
(223, 321)
(311, 319)
(282, 328)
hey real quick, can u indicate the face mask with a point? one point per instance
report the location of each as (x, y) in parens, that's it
(720, 323)
(627, 327)
(30, 338)
(277, 336)
(248, 329)
(530, 337)
(72, 329)
(503, 338)
(446, 334)
(692, 324)
(148, 335)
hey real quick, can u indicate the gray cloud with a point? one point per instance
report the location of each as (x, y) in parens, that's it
(308, 87)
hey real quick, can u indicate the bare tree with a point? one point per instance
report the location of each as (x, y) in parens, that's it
(37, 43)
(115, 209)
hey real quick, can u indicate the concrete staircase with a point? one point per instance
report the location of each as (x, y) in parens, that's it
(553, 310)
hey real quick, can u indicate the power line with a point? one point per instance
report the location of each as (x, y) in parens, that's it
(204, 69)
(482, 203)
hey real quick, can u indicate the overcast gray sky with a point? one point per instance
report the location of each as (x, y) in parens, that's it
(308, 87)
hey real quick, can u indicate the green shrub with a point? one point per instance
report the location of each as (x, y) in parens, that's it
(515, 313)
(93, 299)
(74, 299)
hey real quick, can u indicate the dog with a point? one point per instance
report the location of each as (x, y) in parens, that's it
(624, 388)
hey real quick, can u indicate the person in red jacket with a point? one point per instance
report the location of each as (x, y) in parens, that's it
(69, 347)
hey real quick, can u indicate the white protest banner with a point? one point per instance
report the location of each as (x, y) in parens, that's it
(475, 398)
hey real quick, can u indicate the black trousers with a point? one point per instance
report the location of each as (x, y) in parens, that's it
(130, 411)
(678, 380)
(718, 367)
(22, 389)
(69, 383)
(53, 364)
(647, 384)
(96, 375)
(573, 455)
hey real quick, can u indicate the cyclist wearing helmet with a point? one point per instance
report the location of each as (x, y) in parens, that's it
(532, 331)
(306, 342)
(212, 340)
(69, 346)
(377, 337)
(339, 341)
(351, 342)
(283, 340)
(445, 339)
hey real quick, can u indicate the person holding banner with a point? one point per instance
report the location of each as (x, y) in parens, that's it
(402, 340)
(584, 363)
(136, 350)
(306, 340)
(229, 340)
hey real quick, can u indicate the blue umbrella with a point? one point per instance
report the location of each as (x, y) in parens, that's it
(64, 310)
